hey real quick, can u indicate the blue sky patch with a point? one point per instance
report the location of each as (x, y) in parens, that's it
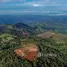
(58, 7)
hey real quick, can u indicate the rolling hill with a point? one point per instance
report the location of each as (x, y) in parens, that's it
(52, 46)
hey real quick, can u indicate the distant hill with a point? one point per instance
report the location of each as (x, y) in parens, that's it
(49, 26)
(40, 22)
(3, 28)
(12, 19)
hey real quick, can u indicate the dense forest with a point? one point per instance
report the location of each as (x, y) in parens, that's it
(13, 36)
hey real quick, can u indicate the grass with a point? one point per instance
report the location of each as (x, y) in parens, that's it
(6, 37)
(9, 26)
(60, 38)
(27, 42)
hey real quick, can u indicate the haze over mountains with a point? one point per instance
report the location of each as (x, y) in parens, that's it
(33, 18)
(44, 22)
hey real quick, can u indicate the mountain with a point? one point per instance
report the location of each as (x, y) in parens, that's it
(42, 22)
(22, 26)
(3, 28)
(49, 26)
(12, 19)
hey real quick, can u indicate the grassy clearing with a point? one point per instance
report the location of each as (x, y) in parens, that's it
(60, 38)
(6, 37)
(28, 42)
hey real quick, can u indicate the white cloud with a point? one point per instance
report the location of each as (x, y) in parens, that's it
(36, 5)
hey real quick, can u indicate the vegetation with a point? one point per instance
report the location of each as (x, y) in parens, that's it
(53, 54)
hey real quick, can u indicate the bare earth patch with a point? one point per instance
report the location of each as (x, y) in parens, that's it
(27, 52)
(46, 35)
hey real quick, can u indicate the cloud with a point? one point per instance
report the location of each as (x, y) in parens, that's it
(37, 5)
(4, 0)
(33, 6)
(20, 12)
(13, 0)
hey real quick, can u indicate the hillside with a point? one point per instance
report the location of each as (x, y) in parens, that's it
(58, 37)
(41, 27)
(20, 35)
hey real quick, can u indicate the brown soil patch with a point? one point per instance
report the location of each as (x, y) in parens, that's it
(29, 52)
(46, 35)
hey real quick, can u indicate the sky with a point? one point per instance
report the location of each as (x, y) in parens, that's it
(43, 7)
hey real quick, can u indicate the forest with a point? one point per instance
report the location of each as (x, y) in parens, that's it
(48, 41)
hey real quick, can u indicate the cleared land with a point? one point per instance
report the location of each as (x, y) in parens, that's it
(58, 37)
(47, 35)
(27, 42)
(27, 52)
